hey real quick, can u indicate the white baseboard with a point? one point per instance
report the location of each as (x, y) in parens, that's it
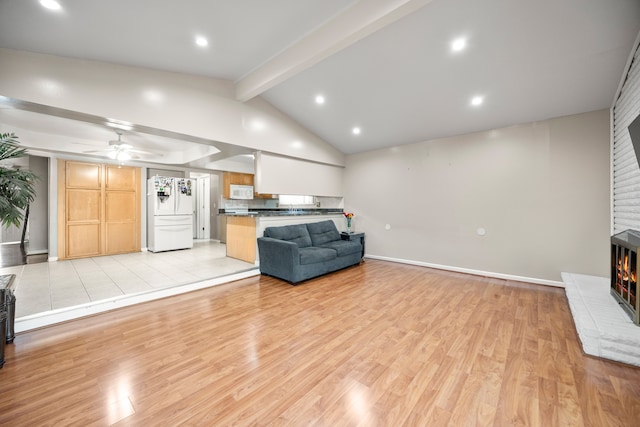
(471, 271)
(40, 320)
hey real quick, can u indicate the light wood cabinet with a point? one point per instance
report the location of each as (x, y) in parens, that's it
(226, 182)
(234, 178)
(262, 196)
(245, 179)
(99, 209)
(241, 238)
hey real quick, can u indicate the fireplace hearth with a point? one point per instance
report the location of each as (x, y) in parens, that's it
(624, 269)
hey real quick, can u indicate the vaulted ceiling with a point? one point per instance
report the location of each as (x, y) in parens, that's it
(385, 67)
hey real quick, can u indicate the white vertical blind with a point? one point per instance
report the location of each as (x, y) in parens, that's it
(626, 172)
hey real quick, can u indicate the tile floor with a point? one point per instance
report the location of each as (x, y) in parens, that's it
(52, 285)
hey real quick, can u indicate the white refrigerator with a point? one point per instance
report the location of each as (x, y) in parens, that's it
(169, 214)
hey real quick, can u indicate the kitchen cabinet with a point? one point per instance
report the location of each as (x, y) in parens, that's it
(234, 178)
(244, 179)
(99, 209)
(263, 196)
(241, 238)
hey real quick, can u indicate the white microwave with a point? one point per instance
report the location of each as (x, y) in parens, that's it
(241, 192)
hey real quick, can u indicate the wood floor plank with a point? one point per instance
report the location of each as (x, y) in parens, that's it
(379, 344)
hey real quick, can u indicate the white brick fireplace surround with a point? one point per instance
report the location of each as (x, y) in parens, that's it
(605, 330)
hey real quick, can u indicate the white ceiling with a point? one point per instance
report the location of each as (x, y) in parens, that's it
(385, 66)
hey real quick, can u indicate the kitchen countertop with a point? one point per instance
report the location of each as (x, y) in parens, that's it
(281, 212)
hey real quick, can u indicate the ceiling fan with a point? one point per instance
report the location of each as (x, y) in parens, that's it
(119, 150)
(122, 151)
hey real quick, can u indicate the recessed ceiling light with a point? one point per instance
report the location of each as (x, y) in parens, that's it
(477, 100)
(202, 41)
(356, 130)
(319, 99)
(458, 44)
(51, 4)
(154, 96)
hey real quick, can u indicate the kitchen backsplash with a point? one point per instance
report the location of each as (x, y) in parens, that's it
(325, 202)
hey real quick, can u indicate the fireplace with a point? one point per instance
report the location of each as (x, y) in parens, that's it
(624, 269)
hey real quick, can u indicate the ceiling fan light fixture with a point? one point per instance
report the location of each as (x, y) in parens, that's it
(123, 156)
(119, 155)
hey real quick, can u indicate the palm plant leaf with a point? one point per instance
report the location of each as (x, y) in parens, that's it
(9, 148)
(16, 185)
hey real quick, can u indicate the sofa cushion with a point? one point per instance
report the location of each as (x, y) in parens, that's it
(323, 232)
(344, 247)
(312, 254)
(297, 233)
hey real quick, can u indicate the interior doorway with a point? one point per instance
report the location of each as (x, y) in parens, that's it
(202, 208)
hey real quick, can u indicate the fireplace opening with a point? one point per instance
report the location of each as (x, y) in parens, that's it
(624, 269)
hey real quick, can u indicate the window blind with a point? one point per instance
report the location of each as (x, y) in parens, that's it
(626, 172)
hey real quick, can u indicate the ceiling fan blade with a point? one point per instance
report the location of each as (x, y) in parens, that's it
(103, 151)
(115, 147)
(88, 143)
(146, 152)
(121, 146)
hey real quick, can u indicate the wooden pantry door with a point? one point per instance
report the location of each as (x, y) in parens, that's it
(99, 209)
(122, 209)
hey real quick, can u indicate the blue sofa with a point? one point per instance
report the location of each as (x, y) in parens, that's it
(299, 252)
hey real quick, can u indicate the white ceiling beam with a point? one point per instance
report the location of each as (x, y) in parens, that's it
(355, 23)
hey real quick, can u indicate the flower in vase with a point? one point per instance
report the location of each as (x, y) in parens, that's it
(349, 216)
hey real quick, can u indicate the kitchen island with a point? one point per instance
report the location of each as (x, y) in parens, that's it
(241, 233)
(244, 227)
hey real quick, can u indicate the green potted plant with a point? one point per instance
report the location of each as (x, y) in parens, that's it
(16, 185)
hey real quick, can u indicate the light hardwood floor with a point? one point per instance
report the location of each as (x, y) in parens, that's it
(378, 344)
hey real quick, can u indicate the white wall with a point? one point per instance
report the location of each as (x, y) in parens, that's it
(283, 175)
(39, 209)
(192, 105)
(540, 190)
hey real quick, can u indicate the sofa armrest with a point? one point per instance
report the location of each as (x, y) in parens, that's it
(277, 255)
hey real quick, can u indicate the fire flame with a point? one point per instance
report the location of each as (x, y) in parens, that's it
(625, 268)
(624, 274)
